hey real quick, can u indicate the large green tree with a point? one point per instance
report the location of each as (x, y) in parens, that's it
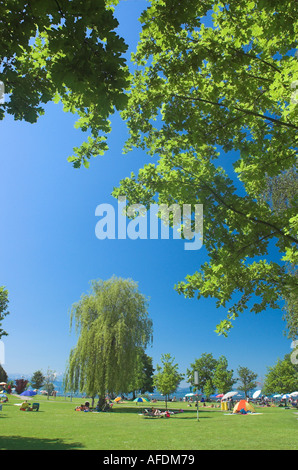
(205, 365)
(143, 379)
(223, 379)
(282, 377)
(214, 374)
(215, 107)
(66, 50)
(113, 325)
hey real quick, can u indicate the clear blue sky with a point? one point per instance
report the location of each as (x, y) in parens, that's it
(49, 252)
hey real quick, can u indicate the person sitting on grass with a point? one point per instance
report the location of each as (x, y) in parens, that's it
(87, 406)
(25, 406)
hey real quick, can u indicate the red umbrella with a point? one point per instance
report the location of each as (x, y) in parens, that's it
(220, 395)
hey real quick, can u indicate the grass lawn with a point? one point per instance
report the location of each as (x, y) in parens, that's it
(56, 426)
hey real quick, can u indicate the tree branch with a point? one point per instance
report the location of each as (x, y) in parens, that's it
(253, 220)
(245, 111)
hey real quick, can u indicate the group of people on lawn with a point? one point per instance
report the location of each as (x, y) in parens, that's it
(99, 407)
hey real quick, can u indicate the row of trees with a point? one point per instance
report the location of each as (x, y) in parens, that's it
(37, 381)
(214, 376)
(114, 330)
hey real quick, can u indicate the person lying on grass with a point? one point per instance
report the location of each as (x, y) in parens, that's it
(158, 413)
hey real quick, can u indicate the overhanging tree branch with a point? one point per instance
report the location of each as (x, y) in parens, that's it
(242, 110)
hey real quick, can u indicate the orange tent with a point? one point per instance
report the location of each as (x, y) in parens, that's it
(243, 407)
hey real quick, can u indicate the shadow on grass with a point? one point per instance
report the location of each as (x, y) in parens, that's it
(141, 410)
(34, 443)
(186, 414)
(194, 417)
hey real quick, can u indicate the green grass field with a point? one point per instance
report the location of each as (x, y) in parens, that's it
(56, 426)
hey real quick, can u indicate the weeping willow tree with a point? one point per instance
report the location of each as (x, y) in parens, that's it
(112, 324)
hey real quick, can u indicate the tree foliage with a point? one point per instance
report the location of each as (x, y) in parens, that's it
(247, 380)
(282, 377)
(291, 315)
(282, 192)
(213, 374)
(223, 379)
(143, 380)
(214, 106)
(68, 51)
(213, 101)
(48, 384)
(37, 379)
(113, 325)
(3, 375)
(21, 385)
(3, 308)
(205, 366)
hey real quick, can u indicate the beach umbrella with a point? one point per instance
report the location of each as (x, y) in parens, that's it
(117, 399)
(190, 395)
(3, 383)
(294, 394)
(286, 395)
(257, 394)
(220, 395)
(229, 394)
(277, 396)
(141, 399)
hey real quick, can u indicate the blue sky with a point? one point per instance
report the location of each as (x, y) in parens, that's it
(49, 252)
